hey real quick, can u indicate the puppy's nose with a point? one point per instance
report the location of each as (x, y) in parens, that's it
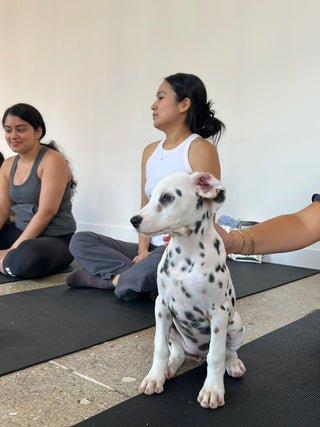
(136, 221)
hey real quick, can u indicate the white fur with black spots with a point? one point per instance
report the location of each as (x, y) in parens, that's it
(196, 294)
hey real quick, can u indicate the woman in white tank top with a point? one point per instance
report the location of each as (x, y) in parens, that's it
(181, 110)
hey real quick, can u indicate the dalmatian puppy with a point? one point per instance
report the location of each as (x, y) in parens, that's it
(195, 308)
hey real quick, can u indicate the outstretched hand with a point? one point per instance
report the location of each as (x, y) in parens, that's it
(140, 257)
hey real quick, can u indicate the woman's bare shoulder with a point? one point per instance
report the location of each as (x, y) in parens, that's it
(149, 149)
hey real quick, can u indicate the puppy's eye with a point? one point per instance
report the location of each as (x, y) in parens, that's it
(166, 198)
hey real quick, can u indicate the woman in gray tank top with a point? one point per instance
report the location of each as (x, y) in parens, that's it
(36, 184)
(182, 111)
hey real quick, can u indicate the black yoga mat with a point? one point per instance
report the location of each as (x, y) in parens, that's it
(39, 325)
(280, 388)
(42, 324)
(251, 278)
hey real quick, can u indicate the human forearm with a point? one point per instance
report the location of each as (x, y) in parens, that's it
(144, 243)
(281, 234)
(35, 227)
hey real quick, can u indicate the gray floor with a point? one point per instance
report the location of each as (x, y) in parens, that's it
(67, 390)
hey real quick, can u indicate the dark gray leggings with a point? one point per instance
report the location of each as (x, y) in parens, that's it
(106, 257)
(34, 257)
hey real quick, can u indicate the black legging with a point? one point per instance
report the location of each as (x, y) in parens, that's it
(34, 257)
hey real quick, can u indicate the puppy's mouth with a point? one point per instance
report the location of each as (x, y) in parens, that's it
(154, 233)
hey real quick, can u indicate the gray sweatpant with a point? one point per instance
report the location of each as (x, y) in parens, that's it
(106, 257)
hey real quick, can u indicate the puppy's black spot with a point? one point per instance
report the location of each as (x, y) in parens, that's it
(197, 226)
(221, 268)
(197, 309)
(204, 330)
(202, 254)
(204, 347)
(217, 245)
(222, 308)
(211, 278)
(201, 245)
(188, 260)
(191, 267)
(170, 253)
(185, 292)
(189, 315)
(165, 266)
(233, 301)
(178, 192)
(220, 284)
(220, 197)
(183, 268)
(194, 324)
(178, 250)
(230, 291)
(199, 203)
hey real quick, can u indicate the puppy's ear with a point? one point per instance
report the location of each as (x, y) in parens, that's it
(208, 187)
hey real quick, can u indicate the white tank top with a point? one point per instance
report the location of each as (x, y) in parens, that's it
(164, 162)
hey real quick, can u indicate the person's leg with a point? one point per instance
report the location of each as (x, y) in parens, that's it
(8, 235)
(102, 258)
(140, 280)
(37, 257)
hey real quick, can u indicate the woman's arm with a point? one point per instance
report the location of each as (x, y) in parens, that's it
(144, 242)
(280, 234)
(203, 157)
(5, 201)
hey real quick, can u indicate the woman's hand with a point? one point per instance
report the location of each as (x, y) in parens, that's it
(140, 257)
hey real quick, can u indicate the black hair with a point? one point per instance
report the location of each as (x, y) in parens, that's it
(200, 117)
(53, 145)
(32, 116)
(27, 113)
(1, 158)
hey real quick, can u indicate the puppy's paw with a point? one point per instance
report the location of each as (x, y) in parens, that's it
(211, 397)
(151, 385)
(235, 368)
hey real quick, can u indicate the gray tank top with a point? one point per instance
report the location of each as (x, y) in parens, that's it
(26, 201)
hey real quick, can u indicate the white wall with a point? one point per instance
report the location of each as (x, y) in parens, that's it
(92, 68)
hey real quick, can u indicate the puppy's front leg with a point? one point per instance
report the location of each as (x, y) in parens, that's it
(212, 393)
(153, 382)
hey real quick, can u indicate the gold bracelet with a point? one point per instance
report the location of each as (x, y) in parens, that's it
(243, 239)
(252, 242)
